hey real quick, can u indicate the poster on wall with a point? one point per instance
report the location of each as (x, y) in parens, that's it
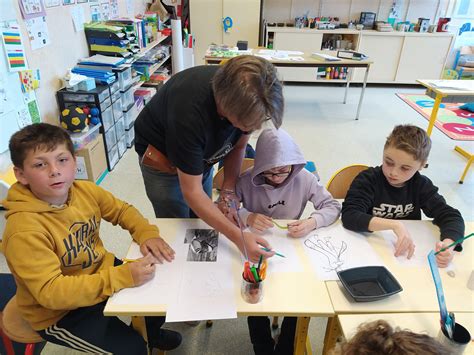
(114, 9)
(31, 8)
(82, 1)
(38, 32)
(12, 99)
(77, 14)
(129, 7)
(105, 10)
(52, 3)
(69, 2)
(14, 52)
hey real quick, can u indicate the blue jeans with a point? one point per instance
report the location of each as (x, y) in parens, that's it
(164, 192)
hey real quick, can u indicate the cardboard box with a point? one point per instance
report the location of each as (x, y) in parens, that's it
(91, 162)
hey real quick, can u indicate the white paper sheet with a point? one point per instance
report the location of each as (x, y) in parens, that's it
(334, 248)
(192, 288)
(278, 53)
(421, 233)
(207, 287)
(283, 244)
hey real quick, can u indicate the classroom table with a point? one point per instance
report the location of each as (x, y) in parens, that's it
(286, 294)
(418, 295)
(424, 323)
(310, 62)
(444, 90)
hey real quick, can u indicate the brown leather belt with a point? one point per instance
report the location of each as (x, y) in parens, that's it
(156, 160)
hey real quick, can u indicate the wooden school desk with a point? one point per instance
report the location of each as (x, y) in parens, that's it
(418, 295)
(424, 323)
(310, 62)
(443, 92)
(285, 294)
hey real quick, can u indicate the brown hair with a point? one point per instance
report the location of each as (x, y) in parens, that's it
(412, 140)
(379, 337)
(37, 136)
(248, 87)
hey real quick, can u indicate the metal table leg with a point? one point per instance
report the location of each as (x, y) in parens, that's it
(347, 85)
(362, 92)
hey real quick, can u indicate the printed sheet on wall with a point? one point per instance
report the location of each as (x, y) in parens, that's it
(15, 105)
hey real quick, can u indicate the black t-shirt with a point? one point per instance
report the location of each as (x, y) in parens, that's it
(371, 195)
(182, 122)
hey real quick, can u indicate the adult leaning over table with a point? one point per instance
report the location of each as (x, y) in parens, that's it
(200, 116)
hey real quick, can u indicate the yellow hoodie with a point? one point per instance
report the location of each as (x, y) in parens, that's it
(56, 254)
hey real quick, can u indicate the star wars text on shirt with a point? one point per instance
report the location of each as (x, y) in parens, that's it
(393, 211)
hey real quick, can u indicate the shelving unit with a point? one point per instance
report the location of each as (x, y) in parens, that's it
(399, 57)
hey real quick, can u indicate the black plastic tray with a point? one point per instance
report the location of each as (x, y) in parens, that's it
(369, 283)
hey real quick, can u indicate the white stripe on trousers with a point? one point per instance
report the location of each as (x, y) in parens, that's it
(74, 341)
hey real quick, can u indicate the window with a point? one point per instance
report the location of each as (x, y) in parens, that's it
(463, 9)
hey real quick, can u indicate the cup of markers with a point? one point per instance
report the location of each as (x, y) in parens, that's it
(252, 281)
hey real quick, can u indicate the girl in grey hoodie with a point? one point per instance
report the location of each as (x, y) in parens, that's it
(279, 187)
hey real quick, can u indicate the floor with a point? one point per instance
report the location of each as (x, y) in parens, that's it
(327, 133)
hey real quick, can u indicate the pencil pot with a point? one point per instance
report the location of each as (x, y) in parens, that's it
(252, 292)
(458, 343)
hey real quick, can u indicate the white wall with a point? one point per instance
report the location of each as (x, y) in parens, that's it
(53, 60)
(287, 10)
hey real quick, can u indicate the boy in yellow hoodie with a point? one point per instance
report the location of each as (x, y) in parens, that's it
(63, 272)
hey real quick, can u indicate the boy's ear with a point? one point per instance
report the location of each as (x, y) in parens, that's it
(423, 165)
(20, 176)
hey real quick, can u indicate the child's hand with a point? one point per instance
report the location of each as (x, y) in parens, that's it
(158, 248)
(259, 221)
(444, 258)
(143, 269)
(404, 242)
(301, 228)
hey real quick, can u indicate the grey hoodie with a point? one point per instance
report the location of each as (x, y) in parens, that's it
(276, 148)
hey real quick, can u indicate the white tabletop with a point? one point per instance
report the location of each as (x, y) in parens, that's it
(449, 87)
(291, 293)
(419, 294)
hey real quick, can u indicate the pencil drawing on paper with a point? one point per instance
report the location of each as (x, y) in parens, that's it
(325, 245)
(202, 244)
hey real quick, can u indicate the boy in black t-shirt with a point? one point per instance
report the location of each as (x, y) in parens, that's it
(382, 196)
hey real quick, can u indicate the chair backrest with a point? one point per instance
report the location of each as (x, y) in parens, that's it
(218, 180)
(15, 327)
(342, 179)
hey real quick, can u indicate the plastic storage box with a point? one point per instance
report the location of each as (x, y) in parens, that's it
(81, 139)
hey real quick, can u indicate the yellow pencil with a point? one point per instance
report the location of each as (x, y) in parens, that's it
(129, 260)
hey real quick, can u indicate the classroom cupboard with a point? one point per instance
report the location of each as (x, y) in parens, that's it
(206, 22)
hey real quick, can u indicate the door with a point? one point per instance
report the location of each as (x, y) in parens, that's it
(206, 26)
(245, 15)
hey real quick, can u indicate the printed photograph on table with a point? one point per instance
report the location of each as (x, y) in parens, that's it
(451, 119)
(203, 244)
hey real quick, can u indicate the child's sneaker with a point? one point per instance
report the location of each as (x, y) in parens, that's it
(167, 340)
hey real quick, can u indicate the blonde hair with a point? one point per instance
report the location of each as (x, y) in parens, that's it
(379, 337)
(412, 140)
(248, 87)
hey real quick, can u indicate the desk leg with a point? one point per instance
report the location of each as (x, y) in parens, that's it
(333, 331)
(347, 86)
(362, 92)
(434, 113)
(139, 325)
(302, 325)
(470, 158)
